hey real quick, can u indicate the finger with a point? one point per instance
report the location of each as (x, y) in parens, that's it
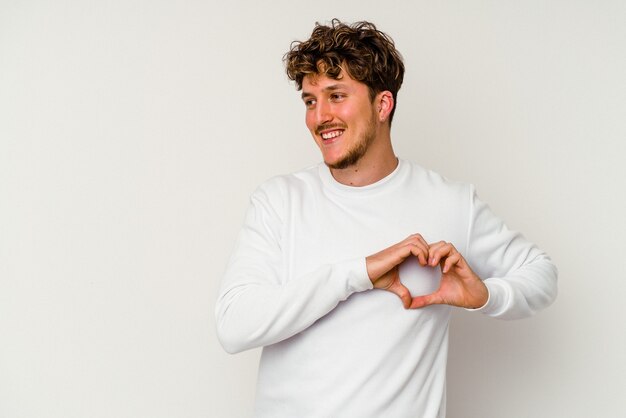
(415, 236)
(438, 250)
(416, 239)
(421, 240)
(420, 251)
(451, 261)
(416, 245)
(426, 300)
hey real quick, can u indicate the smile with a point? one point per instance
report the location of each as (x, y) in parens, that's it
(331, 134)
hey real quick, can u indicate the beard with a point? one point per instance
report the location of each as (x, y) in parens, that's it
(359, 149)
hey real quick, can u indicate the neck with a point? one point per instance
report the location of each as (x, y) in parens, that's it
(378, 162)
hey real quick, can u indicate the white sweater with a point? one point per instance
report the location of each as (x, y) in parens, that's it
(297, 285)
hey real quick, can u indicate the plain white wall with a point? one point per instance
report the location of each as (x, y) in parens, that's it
(133, 131)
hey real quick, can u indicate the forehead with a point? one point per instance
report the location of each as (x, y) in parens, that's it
(312, 83)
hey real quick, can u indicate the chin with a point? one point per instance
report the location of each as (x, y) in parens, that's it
(340, 164)
(334, 162)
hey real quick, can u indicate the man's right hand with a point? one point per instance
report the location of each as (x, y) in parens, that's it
(382, 267)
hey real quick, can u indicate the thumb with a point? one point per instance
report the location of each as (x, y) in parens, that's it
(402, 292)
(425, 300)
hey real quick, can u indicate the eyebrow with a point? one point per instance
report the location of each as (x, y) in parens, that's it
(332, 87)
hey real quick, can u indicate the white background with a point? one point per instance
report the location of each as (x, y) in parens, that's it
(133, 131)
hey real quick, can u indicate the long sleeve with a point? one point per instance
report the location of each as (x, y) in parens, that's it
(521, 278)
(259, 304)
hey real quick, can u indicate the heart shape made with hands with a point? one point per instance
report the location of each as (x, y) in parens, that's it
(453, 283)
(420, 280)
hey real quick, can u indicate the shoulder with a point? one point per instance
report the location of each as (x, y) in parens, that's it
(281, 192)
(285, 184)
(433, 183)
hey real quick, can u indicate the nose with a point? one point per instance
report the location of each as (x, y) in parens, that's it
(323, 112)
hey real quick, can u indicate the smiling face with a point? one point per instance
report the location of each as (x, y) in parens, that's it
(341, 118)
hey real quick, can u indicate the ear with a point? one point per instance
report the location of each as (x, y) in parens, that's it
(384, 102)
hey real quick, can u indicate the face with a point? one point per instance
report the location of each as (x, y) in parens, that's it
(341, 118)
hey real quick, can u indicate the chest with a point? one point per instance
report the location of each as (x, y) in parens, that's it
(325, 229)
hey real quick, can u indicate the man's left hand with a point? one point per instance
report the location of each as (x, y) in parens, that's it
(459, 285)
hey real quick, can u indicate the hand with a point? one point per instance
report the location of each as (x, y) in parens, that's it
(459, 285)
(382, 267)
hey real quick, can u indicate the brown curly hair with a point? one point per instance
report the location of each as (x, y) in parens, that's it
(365, 53)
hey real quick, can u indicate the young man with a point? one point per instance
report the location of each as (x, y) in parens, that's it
(353, 314)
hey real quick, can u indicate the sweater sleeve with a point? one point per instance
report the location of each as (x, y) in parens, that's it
(257, 304)
(521, 279)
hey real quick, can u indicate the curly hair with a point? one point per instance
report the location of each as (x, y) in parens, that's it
(365, 53)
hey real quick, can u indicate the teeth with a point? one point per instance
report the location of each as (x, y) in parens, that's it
(332, 134)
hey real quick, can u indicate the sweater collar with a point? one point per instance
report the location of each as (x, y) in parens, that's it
(381, 185)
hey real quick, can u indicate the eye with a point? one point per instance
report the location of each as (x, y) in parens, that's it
(337, 97)
(309, 103)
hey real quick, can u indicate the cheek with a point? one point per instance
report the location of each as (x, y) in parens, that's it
(309, 120)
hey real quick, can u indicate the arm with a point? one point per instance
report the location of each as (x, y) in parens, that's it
(258, 305)
(519, 278)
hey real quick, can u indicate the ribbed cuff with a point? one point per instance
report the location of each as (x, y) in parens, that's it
(495, 299)
(358, 279)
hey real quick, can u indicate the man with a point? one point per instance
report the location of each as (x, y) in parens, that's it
(324, 255)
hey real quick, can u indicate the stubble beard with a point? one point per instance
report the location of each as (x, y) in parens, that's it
(358, 151)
